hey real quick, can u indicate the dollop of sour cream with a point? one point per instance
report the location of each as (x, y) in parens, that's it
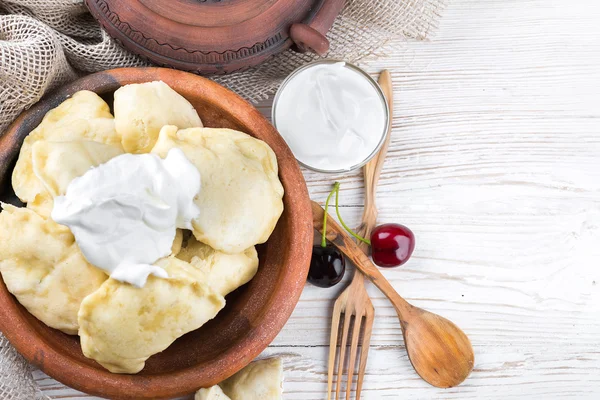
(124, 213)
(332, 116)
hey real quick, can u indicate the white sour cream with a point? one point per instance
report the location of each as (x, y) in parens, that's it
(124, 213)
(332, 116)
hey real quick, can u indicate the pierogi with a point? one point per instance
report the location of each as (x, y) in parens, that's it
(141, 110)
(260, 380)
(177, 242)
(222, 272)
(121, 325)
(42, 266)
(83, 116)
(241, 196)
(56, 164)
(211, 393)
(42, 204)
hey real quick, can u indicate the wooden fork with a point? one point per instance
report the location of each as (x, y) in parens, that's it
(354, 303)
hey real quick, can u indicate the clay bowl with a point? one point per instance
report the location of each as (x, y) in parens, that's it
(254, 313)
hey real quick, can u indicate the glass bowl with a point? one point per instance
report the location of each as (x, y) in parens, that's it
(369, 79)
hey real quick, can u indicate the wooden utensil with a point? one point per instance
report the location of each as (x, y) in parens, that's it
(439, 351)
(354, 300)
(355, 305)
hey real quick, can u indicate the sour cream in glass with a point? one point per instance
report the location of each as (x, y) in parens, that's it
(332, 115)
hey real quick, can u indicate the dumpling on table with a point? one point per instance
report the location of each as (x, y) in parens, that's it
(56, 164)
(83, 116)
(241, 196)
(222, 272)
(142, 109)
(260, 380)
(121, 325)
(211, 393)
(44, 269)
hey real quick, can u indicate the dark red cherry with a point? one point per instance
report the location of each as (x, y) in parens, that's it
(327, 266)
(391, 245)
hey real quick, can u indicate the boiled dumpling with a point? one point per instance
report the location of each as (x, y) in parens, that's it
(222, 272)
(42, 204)
(177, 242)
(241, 196)
(141, 110)
(56, 164)
(211, 393)
(43, 267)
(84, 116)
(121, 325)
(199, 273)
(261, 380)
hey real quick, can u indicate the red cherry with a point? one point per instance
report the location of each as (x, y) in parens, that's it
(391, 245)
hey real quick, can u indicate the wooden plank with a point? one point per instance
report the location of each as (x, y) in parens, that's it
(502, 372)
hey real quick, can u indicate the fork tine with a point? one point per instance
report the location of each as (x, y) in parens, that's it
(364, 353)
(335, 326)
(353, 351)
(347, 318)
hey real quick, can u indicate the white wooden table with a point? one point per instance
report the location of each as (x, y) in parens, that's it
(495, 165)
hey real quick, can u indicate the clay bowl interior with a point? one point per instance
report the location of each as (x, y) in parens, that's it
(254, 314)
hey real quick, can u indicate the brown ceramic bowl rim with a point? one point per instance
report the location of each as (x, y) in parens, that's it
(83, 377)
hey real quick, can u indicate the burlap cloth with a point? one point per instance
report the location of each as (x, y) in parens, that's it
(45, 43)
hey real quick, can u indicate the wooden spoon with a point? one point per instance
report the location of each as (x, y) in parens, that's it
(372, 170)
(438, 350)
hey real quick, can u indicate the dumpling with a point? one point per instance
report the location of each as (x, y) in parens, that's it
(222, 272)
(261, 380)
(42, 204)
(141, 110)
(211, 393)
(177, 242)
(121, 325)
(56, 164)
(84, 116)
(241, 196)
(43, 267)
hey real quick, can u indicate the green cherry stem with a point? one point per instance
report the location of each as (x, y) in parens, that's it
(336, 188)
(324, 235)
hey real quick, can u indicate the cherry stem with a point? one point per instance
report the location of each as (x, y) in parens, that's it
(336, 188)
(324, 234)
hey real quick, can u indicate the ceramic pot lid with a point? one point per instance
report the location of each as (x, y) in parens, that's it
(216, 36)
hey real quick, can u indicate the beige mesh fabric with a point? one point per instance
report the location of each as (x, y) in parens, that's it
(16, 382)
(45, 43)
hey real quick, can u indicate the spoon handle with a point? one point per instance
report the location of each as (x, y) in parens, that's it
(338, 236)
(372, 170)
(375, 166)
